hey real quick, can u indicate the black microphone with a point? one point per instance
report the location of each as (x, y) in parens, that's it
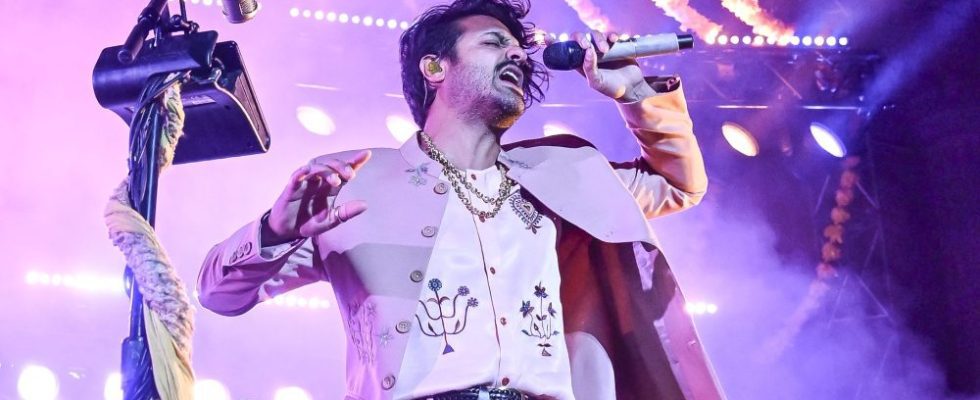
(238, 11)
(569, 55)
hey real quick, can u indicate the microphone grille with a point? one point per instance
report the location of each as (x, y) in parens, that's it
(563, 56)
(249, 6)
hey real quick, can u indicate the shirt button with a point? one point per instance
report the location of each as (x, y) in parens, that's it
(429, 231)
(493, 270)
(416, 276)
(503, 321)
(388, 382)
(403, 326)
(505, 381)
(441, 188)
(473, 176)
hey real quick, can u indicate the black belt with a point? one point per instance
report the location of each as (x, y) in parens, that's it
(480, 393)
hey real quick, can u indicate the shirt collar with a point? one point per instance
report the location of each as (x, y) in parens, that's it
(412, 151)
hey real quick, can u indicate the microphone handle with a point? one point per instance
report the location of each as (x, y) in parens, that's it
(645, 46)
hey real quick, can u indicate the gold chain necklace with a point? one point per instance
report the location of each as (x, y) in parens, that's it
(459, 182)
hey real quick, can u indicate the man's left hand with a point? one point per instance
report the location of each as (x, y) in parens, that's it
(620, 80)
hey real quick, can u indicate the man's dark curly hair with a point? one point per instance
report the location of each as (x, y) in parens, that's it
(436, 32)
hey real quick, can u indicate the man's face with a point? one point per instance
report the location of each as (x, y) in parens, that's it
(486, 79)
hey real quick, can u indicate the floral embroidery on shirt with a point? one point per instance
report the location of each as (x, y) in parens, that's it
(360, 323)
(418, 178)
(440, 315)
(525, 210)
(541, 324)
(385, 336)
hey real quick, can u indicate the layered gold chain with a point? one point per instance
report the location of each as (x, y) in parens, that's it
(459, 182)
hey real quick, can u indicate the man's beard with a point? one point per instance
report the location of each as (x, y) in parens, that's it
(479, 94)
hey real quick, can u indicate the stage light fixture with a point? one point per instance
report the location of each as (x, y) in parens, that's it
(740, 139)
(563, 37)
(392, 24)
(294, 12)
(331, 16)
(318, 15)
(827, 140)
(818, 40)
(307, 13)
(315, 120)
(368, 20)
(403, 25)
(735, 39)
(831, 41)
(37, 383)
(355, 19)
(113, 387)
(380, 22)
(746, 39)
(807, 40)
(343, 18)
(292, 393)
(842, 41)
(555, 128)
(771, 40)
(207, 2)
(210, 389)
(722, 39)
(757, 41)
(795, 40)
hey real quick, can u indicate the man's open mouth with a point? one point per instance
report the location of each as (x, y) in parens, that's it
(513, 76)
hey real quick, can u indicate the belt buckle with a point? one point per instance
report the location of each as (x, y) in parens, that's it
(484, 393)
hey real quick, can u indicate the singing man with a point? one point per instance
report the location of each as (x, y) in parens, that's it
(464, 268)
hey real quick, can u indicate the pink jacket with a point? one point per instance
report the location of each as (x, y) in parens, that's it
(625, 323)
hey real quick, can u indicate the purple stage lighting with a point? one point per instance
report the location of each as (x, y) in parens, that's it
(827, 139)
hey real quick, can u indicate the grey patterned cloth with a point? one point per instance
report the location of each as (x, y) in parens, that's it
(481, 393)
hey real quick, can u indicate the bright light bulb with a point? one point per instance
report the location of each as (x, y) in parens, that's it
(294, 12)
(210, 389)
(331, 16)
(37, 383)
(113, 387)
(807, 40)
(818, 40)
(400, 127)
(740, 139)
(828, 140)
(315, 120)
(556, 128)
(343, 18)
(292, 393)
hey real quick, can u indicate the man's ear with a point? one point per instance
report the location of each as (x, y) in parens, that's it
(433, 69)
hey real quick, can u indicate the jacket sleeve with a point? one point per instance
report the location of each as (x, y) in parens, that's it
(669, 175)
(238, 273)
